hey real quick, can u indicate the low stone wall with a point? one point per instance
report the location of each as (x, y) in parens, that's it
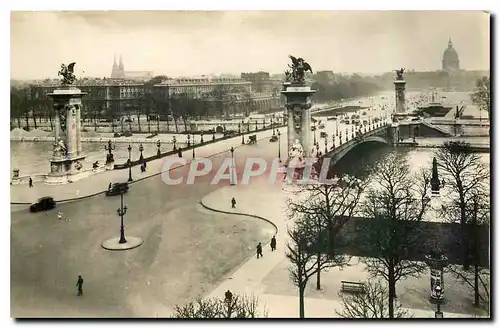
(41, 178)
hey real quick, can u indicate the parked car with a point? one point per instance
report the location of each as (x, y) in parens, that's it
(117, 189)
(43, 204)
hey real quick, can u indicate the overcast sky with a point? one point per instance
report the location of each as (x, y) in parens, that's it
(196, 43)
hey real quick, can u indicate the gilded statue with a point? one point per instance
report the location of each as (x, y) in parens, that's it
(68, 74)
(299, 67)
(399, 74)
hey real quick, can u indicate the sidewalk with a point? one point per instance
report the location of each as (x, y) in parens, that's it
(261, 199)
(98, 183)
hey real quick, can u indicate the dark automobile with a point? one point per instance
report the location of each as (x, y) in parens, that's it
(43, 204)
(117, 189)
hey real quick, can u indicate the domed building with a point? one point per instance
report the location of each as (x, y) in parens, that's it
(451, 63)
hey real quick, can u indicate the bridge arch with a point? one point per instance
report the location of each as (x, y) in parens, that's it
(219, 129)
(371, 139)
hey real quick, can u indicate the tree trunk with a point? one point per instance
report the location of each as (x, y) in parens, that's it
(158, 124)
(18, 122)
(476, 284)
(176, 126)
(50, 121)
(34, 120)
(27, 122)
(463, 232)
(392, 292)
(301, 302)
(185, 124)
(318, 273)
(149, 124)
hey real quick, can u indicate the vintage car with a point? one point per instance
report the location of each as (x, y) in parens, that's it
(273, 138)
(43, 204)
(117, 189)
(252, 139)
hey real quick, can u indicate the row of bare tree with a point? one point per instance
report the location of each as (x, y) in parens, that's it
(396, 205)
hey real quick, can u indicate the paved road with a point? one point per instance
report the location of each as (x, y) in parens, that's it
(180, 259)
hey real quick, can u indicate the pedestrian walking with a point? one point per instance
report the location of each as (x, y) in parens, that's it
(259, 250)
(30, 181)
(233, 203)
(79, 284)
(273, 244)
(229, 296)
(109, 187)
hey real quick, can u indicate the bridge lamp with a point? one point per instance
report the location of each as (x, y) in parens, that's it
(326, 146)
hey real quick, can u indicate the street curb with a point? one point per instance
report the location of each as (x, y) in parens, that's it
(241, 214)
(143, 178)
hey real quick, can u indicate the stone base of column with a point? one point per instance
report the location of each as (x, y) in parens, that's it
(66, 170)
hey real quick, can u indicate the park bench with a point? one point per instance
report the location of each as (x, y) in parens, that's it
(353, 287)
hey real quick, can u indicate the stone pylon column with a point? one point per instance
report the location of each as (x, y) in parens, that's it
(71, 130)
(400, 88)
(78, 110)
(298, 104)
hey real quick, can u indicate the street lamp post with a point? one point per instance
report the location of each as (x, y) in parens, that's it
(109, 148)
(121, 212)
(239, 128)
(317, 150)
(279, 145)
(141, 149)
(189, 140)
(242, 133)
(129, 164)
(326, 145)
(274, 128)
(314, 133)
(336, 126)
(201, 137)
(333, 141)
(232, 166)
(158, 144)
(174, 140)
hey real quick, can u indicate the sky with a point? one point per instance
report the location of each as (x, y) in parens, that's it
(197, 43)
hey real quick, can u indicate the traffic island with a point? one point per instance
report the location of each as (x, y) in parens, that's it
(113, 244)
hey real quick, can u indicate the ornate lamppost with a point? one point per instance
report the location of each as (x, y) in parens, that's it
(193, 149)
(121, 212)
(326, 146)
(314, 133)
(174, 140)
(337, 126)
(317, 150)
(256, 125)
(272, 123)
(239, 128)
(242, 133)
(189, 140)
(141, 149)
(232, 166)
(158, 144)
(279, 145)
(333, 140)
(109, 148)
(129, 164)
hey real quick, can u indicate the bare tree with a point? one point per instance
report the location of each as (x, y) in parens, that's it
(481, 95)
(395, 207)
(465, 175)
(372, 304)
(330, 206)
(216, 308)
(477, 276)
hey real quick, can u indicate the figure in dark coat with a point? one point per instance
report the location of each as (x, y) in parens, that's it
(273, 244)
(79, 284)
(233, 203)
(259, 250)
(30, 182)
